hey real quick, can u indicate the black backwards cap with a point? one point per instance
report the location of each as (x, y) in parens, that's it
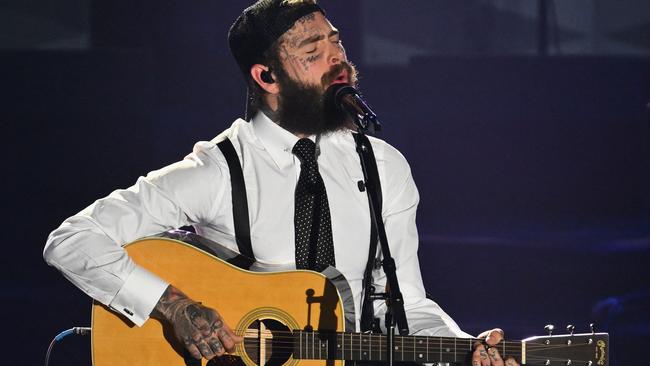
(260, 25)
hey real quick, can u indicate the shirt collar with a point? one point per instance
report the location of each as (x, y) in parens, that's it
(275, 139)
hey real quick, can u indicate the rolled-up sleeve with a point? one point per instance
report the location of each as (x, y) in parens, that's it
(88, 247)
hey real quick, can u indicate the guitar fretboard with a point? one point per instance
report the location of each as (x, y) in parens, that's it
(373, 347)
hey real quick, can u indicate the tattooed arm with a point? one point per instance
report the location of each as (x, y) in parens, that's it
(200, 329)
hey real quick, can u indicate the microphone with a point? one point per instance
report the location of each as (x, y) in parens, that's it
(348, 99)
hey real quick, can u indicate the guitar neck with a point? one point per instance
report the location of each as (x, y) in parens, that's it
(373, 347)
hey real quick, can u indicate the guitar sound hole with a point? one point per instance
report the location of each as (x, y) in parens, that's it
(275, 342)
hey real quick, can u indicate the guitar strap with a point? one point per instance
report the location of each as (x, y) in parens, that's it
(242, 224)
(239, 201)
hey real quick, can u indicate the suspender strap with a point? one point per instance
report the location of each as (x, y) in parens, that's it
(373, 185)
(242, 224)
(239, 200)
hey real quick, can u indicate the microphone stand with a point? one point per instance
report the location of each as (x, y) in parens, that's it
(395, 314)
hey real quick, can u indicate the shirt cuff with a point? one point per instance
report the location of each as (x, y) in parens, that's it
(139, 295)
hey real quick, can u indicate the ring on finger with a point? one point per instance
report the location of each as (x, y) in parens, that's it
(216, 345)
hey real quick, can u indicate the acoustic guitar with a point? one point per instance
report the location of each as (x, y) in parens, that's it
(290, 318)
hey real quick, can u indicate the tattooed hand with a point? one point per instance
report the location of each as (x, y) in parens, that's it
(200, 329)
(489, 355)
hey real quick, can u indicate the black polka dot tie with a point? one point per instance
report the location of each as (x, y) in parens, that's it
(313, 226)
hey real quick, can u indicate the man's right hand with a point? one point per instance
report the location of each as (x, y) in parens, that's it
(200, 329)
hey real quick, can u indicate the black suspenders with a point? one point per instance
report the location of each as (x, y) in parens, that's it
(239, 201)
(242, 224)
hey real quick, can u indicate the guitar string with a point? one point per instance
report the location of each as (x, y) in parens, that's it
(446, 341)
(311, 344)
(433, 343)
(366, 346)
(431, 350)
(411, 355)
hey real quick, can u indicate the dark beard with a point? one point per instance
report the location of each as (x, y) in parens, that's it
(304, 109)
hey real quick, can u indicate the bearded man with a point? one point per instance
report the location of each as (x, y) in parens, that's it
(289, 54)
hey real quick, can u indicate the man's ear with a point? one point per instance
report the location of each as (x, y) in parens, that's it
(265, 78)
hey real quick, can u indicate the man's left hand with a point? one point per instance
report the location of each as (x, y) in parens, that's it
(485, 352)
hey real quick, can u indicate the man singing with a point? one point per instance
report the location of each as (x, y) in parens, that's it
(290, 142)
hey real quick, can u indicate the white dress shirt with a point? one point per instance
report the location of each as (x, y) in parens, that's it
(87, 248)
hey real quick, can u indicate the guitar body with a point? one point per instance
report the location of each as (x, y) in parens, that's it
(292, 299)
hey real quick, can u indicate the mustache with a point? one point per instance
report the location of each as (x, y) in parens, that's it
(328, 78)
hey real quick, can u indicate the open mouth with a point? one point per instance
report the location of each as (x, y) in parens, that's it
(342, 78)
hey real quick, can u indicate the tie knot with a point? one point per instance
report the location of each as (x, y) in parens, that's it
(305, 150)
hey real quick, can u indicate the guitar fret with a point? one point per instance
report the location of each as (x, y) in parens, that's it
(440, 339)
(327, 347)
(306, 345)
(427, 354)
(360, 346)
(414, 349)
(455, 352)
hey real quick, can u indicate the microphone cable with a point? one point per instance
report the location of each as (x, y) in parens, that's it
(60, 336)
